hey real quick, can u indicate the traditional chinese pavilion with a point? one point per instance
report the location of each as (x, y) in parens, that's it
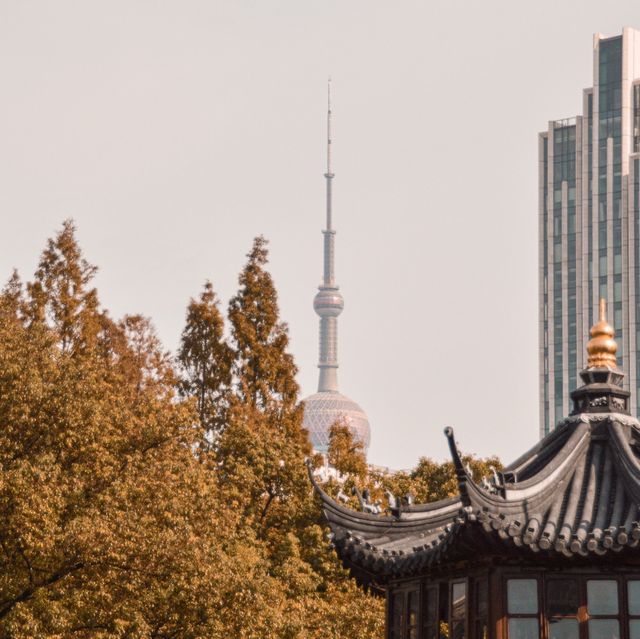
(548, 548)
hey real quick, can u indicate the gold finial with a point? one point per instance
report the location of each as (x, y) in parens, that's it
(602, 347)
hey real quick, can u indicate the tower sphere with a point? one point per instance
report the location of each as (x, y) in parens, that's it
(328, 302)
(323, 410)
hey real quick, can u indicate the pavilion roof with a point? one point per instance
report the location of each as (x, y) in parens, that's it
(574, 494)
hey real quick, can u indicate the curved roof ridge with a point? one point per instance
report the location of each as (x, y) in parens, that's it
(367, 523)
(627, 464)
(551, 472)
(510, 495)
(330, 502)
(520, 464)
(430, 506)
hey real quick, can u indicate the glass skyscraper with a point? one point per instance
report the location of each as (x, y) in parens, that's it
(589, 226)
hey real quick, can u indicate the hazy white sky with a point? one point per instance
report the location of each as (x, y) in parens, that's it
(173, 132)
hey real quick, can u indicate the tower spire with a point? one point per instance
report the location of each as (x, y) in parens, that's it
(328, 302)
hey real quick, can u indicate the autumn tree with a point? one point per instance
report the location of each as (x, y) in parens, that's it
(109, 526)
(261, 464)
(60, 294)
(265, 421)
(264, 371)
(11, 299)
(205, 361)
(346, 454)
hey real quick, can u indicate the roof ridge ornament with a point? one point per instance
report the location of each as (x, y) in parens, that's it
(602, 346)
(602, 391)
(461, 473)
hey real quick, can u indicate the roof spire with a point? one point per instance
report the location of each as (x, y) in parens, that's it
(602, 391)
(602, 347)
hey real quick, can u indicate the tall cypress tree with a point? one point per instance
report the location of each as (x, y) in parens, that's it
(263, 448)
(11, 298)
(60, 294)
(205, 361)
(263, 369)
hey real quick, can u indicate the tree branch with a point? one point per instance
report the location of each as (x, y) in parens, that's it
(8, 605)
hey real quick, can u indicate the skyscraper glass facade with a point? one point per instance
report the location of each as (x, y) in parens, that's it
(589, 225)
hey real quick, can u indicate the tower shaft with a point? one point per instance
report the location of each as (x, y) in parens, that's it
(328, 363)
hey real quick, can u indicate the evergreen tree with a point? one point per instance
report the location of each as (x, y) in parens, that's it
(205, 361)
(263, 448)
(147, 365)
(60, 294)
(264, 371)
(12, 299)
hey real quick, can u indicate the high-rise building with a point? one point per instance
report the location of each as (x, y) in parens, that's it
(589, 174)
(328, 405)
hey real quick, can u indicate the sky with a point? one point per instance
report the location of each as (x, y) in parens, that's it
(173, 132)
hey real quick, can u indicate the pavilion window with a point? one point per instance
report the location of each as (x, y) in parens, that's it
(522, 609)
(404, 607)
(562, 608)
(430, 613)
(633, 599)
(458, 609)
(603, 609)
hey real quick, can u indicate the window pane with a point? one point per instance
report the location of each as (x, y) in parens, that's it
(634, 629)
(602, 597)
(413, 608)
(523, 629)
(604, 629)
(562, 597)
(459, 601)
(633, 589)
(522, 596)
(563, 629)
(458, 629)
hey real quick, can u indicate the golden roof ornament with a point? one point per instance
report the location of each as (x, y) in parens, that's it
(602, 347)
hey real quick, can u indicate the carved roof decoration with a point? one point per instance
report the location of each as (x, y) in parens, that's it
(574, 494)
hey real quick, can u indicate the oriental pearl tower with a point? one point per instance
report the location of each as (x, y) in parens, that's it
(328, 405)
